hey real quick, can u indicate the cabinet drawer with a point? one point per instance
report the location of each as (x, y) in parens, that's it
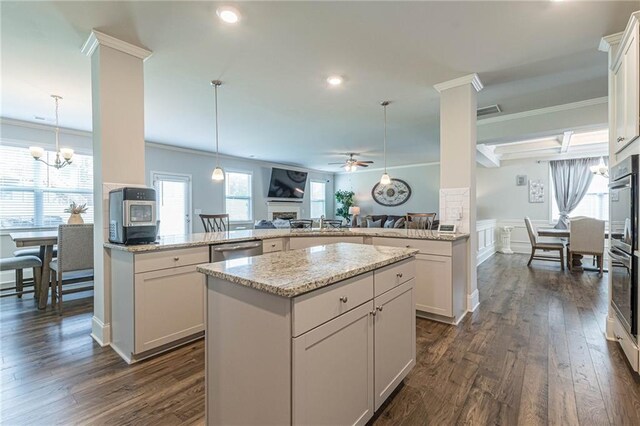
(154, 261)
(317, 307)
(440, 248)
(269, 246)
(393, 275)
(629, 348)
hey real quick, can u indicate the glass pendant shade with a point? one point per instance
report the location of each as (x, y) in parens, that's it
(218, 174)
(385, 179)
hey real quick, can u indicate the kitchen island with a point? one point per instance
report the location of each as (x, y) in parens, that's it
(158, 295)
(321, 335)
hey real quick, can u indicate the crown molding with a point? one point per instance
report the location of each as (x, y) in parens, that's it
(472, 79)
(97, 38)
(42, 126)
(546, 110)
(607, 41)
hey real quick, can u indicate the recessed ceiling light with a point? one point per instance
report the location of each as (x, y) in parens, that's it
(335, 80)
(228, 14)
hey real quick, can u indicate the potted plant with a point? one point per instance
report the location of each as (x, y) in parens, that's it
(76, 213)
(346, 199)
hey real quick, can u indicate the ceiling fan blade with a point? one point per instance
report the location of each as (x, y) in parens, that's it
(335, 163)
(368, 161)
(363, 165)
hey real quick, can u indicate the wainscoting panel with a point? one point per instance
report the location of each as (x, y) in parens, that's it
(486, 233)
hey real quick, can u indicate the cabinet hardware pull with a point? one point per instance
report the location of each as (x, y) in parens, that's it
(620, 139)
(344, 299)
(373, 313)
(619, 337)
(176, 258)
(273, 245)
(408, 246)
(379, 308)
(399, 275)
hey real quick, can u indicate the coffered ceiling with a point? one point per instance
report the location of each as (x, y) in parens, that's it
(275, 103)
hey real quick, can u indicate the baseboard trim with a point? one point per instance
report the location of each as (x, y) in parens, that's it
(440, 318)
(609, 334)
(486, 254)
(100, 332)
(473, 301)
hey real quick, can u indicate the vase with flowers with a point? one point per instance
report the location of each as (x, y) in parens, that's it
(76, 213)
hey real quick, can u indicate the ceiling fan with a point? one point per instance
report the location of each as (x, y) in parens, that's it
(352, 164)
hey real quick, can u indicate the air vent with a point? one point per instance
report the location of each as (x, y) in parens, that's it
(491, 109)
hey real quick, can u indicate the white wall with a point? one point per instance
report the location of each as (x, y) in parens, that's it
(499, 198)
(423, 179)
(208, 195)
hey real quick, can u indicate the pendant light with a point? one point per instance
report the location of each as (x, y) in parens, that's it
(385, 179)
(64, 156)
(218, 173)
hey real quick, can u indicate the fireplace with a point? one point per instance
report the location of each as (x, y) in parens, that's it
(284, 215)
(283, 211)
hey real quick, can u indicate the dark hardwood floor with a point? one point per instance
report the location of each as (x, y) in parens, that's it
(534, 352)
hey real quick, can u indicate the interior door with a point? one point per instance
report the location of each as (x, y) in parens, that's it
(174, 203)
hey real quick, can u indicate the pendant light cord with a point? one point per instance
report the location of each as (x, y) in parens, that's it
(385, 138)
(215, 88)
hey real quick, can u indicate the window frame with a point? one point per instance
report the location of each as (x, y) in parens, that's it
(312, 200)
(40, 192)
(250, 197)
(552, 201)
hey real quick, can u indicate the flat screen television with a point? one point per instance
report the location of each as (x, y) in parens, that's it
(287, 184)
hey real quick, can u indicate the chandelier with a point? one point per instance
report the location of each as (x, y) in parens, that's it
(64, 156)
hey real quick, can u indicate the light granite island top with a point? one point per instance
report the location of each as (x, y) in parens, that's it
(295, 272)
(212, 238)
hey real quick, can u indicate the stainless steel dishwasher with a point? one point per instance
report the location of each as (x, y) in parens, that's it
(229, 251)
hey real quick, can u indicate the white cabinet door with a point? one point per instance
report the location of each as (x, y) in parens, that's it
(395, 339)
(306, 242)
(333, 371)
(169, 305)
(619, 82)
(632, 74)
(434, 292)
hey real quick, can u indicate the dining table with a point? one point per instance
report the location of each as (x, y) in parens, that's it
(45, 240)
(566, 234)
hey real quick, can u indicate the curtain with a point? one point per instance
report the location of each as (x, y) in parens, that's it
(571, 180)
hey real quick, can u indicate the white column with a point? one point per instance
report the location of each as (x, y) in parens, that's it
(610, 44)
(117, 91)
(458, 104)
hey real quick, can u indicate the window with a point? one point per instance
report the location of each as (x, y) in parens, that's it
(174, 202)
(237, 190)
(594, 204)
(318, 204)
(34, 195)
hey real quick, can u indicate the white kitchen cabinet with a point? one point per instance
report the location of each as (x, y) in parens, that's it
(626, 89)
(169, 306)
(272, 245)
(158, 300)
(394, 339)
(333, 371)
(434, 293)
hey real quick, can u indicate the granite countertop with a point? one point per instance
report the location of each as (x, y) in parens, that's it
(295, 272)
(205, 239)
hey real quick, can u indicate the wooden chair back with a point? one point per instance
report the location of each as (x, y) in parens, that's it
(419, 220)
(215, 222)
(332, 223)
(301, 223)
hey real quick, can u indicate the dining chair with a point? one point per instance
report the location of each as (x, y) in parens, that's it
(419, 220)
(331, 223)
(74, 262)
(30, 251)
(215, 222)
(543, 246)
(586, 237)
(301, 223)
(19, 264)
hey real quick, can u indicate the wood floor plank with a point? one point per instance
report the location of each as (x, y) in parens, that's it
(533, 353)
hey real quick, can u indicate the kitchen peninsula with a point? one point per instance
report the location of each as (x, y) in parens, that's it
(158, 294)
(321, 335)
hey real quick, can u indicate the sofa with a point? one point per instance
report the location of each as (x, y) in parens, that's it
(387, 221)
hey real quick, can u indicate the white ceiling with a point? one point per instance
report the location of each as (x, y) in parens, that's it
(275, 103)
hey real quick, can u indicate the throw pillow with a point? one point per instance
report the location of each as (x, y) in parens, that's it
(374, 223)
(399, 223)
(389, 223)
